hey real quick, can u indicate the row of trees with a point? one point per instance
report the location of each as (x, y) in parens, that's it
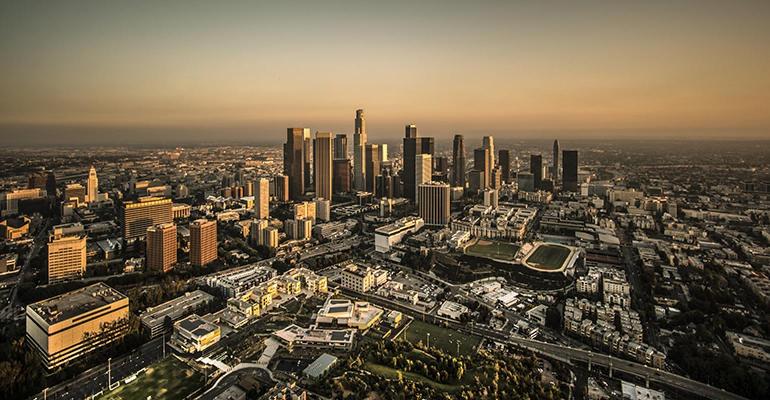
(434, 363)
(485, 375)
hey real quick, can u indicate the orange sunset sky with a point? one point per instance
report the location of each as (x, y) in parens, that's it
(247, 70)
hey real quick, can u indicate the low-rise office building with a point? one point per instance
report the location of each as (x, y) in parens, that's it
(63, 328)
(193, 334)
(296, 337)
(159, 319)
(357, 278)
(388, 235)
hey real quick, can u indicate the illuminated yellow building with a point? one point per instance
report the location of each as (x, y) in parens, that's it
(137, 216)
(65, 327)
(194, 334)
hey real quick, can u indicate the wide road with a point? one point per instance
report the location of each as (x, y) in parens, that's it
(94, 380)
(565, 352)
(37, 243)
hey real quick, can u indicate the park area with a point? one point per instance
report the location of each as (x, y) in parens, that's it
(494, 250)
(168, 379)
(448, 340)
(548, 257)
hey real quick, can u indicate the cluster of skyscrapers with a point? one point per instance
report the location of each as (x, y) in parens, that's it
(371, 171)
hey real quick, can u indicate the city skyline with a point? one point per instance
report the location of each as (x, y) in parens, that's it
(197, 73)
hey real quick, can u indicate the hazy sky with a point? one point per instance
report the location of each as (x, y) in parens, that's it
(131, 71)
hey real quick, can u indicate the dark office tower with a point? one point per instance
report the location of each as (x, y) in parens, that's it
(359, 142)
(341, 179)
(322, 157)
(482, 165)
(570, 170)
(458, 161)
(50, 184)
(410, 131)
(426, 145)
(536, 168)
(308, 157)
(294, 161)
(440, 164)
(556, 169)
(341, 146)
(413, 145)
(504, 161)
(372, 157)
(385, 181)
(36, 180)
(440, 169)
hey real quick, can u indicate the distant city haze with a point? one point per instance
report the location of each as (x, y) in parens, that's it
(181, 72)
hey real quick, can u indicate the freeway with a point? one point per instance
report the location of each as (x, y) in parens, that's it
(565, 352)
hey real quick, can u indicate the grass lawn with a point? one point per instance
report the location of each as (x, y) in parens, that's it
(495, 250)
(442, 338)
(548, 256)
(169, 379)
(391, 373)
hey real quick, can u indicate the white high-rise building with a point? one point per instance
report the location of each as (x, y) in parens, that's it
(488, 142)
(423, 170)
(383, 152)
(93, 186)
(262, 199)
(359, 143)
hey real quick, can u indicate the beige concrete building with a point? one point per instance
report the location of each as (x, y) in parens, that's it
(357, 278)
(423, 173)
(14, 228)
(63, 328)
(137, 216)
(93, 186)
(66, 253)
(9, 201)
(194, 334)
(76, 192)
(270, 237)
(262, 199)
(305, 209)
(161, 247)
(281, 188)
(203, 242)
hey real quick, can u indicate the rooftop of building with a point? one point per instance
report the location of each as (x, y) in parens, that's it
(357, 270)
(76, 302)
(146, 201)
(196, 326)
(403, 223)
(175, 308)
(320, 365)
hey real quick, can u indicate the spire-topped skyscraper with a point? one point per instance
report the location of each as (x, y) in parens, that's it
(93, 185)
(359, 144)
(458, 162)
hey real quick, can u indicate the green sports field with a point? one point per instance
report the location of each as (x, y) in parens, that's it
(442, 338)
(548, 257)
(168, 379)
(494, 250)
